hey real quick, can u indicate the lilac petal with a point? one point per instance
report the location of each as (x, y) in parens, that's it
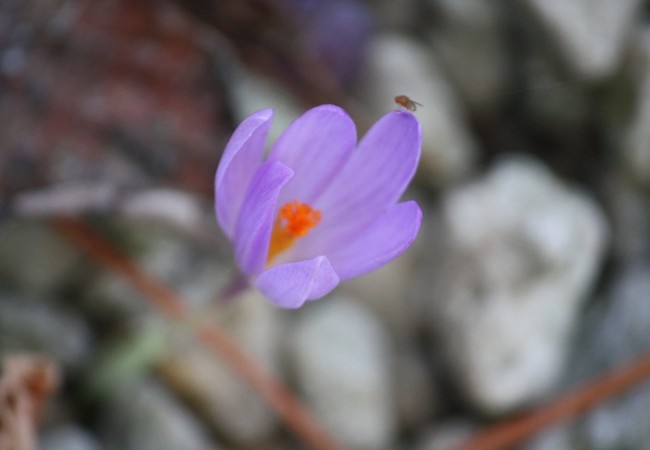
(377, 173)
(240, 160)
(290, 285)
(385, 239)
(316, 146)
(253, 230)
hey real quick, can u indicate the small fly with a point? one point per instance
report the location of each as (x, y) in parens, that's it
(407, 103)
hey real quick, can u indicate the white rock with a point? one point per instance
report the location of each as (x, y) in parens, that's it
(523, 250)
(169, 206)
(468, 37)
(66, 199)
(591, 34)
(342, 365)
(219, 393)
(398, 65)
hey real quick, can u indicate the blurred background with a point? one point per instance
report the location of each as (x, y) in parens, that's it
(531, 274)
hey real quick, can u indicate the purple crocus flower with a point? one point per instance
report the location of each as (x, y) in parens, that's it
(320, 208)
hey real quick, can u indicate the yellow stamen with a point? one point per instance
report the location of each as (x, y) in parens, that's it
(295, 220)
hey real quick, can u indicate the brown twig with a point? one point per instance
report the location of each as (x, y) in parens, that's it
(214, 338)
(515, 431)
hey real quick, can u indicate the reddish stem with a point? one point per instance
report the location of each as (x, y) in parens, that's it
(515, 431)
(288, 407)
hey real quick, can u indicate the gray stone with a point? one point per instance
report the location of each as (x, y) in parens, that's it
(397, 65)
(68, 437)
(622, 423)
(30, 325)
(218, 393)
(147, 417)
(342, 365)
(590, 34)
(468, 37)
(523, 250)
(614, 332)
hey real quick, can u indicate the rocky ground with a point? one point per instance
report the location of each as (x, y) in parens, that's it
(531, 274)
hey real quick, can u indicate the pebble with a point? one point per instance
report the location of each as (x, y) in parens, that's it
(614, 332)
(523, 251)
(397, 65)
(590, 35)
(342, 365)
(164, 206)
(65, 199)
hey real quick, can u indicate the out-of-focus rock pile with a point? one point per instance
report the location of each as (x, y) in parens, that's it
(531, 274)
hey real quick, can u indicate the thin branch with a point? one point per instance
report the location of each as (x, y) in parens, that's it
(285, 403)
(515, 431)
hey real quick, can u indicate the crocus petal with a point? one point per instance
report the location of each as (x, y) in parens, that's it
(290, 285)
(253, 230)
(390, 235)
(315, 146)
(377, 173)
(240, 160)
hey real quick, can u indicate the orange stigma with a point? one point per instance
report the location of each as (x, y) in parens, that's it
(294, 220)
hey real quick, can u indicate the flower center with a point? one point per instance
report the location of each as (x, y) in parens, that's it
(294, 220)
